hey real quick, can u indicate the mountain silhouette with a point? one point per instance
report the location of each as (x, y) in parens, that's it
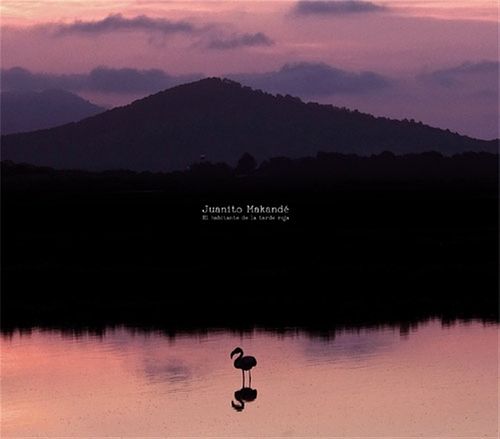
(220, 119)
(23, 111)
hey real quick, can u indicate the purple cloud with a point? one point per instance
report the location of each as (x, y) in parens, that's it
(117, 22)
(101, 79)
(468, 71)
(314, 79)
(238, 41)
(335, 7)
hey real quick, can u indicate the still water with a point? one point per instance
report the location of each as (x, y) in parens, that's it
(433, 381)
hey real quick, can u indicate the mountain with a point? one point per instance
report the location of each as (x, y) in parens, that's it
(23, 111)
(221, 119)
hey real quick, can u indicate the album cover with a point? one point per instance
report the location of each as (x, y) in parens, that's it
(249, 218)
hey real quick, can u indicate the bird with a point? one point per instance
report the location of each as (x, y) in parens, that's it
(243, 363)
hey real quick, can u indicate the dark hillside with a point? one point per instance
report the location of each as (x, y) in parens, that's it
(221, 119)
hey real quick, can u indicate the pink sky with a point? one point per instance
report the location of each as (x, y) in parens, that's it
(402, 41)
(406, 38)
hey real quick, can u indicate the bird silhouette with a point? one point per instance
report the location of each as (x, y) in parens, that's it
(244, 363)
(245, 394)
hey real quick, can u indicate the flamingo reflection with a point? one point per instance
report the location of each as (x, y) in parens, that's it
(245, 394)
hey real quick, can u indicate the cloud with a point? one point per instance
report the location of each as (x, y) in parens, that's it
(335, 7)
(18, 78)
(301, 79)
(100, 79)
(117, 22)
(238, 41)
(483, 71)
(314, 79)
(158, 29)
(132, 80)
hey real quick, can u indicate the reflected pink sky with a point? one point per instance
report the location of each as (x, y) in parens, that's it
(439, 382)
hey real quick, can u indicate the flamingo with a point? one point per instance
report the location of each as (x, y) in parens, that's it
(244, 363)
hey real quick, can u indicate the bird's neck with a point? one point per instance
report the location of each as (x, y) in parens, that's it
(237, 360)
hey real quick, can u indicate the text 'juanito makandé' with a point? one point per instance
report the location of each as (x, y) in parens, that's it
(248, 212)
(249, 209)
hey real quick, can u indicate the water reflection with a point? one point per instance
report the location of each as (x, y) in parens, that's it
(172, 370)
(435, 381)
(245, 394)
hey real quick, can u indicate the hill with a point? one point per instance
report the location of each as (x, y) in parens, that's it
(221, 119)
(23, 111)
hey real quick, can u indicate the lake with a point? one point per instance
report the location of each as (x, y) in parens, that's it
(432, 380)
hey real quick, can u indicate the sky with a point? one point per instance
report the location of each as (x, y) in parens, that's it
(430, 60)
